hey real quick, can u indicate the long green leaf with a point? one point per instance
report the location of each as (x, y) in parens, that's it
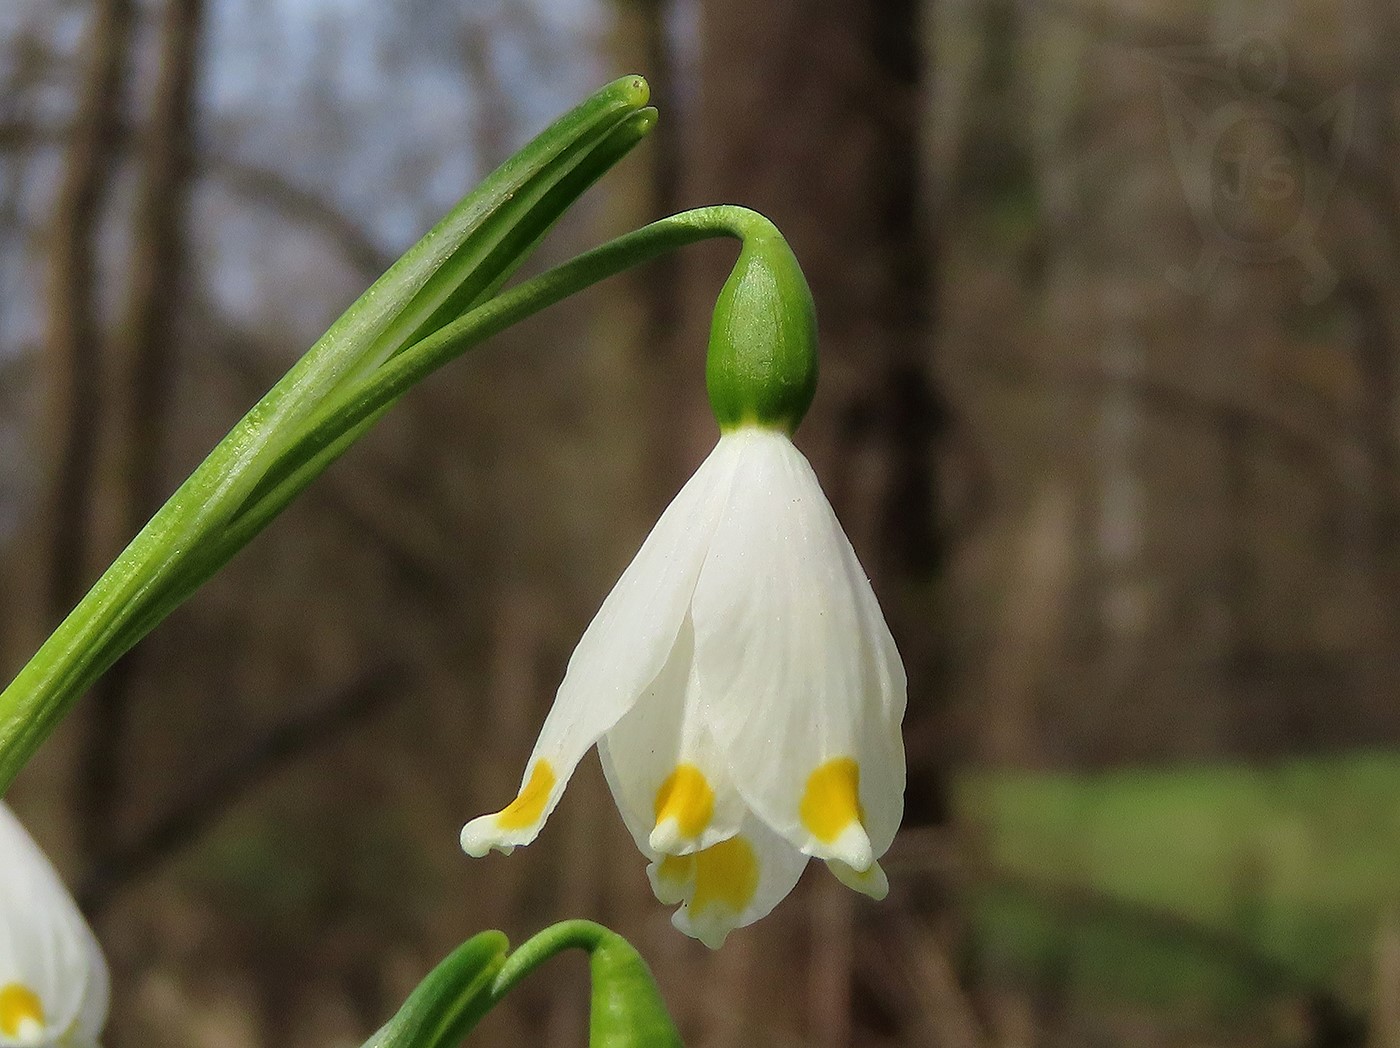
(461, 260)
(450, 1001)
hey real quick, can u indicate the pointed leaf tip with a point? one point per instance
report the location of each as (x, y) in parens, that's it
(634, 89)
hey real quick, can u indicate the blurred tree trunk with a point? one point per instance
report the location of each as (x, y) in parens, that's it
(138, 382)
(813, 114)
(27, 68)
(644, 32)
(1367, 25)
(71, 340)
(1368, 538)
(142, 358)
(659, 352)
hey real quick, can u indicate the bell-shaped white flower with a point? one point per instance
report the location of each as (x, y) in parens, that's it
(53, 980)
(745, 695)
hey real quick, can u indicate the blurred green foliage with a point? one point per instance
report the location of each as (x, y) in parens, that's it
(1207, 886)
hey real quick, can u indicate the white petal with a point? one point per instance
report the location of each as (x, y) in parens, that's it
(46, 948)
(809, 689)
(667, 775)
(620, 654)
(881, 753)
(871, 882)
(92, 1015)
(729, 885)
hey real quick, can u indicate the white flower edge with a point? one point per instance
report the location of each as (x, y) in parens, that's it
(54, 984)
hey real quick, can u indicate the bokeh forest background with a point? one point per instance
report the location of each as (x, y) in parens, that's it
(1110, 307)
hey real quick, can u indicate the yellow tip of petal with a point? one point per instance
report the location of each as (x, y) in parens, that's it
(479, 836)
(667, 838)
(851, 846)
(871, 882)
(518, 822)
(529, 804)
(726, 875)
(21, 1011)
(831, 812)
(685, 804)
(716, 885)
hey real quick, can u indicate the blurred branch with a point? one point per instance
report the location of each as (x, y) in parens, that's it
(832, 966)
(71, 352)
(304, 205)
(416, 548)
(1374, 304)
(1161, 41)
(955, 863)
(931, 862)
(1119, 23)
(258, 183)
(138, 379)
(1309, 453)
(915, 964)
(204, 805)
(645, 26)
(1085, 903)
(1385, 990)
(493, 104)
(1331, 1018)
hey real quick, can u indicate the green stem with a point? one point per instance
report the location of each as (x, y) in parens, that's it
(566, 935)
(328, 436)
(626, 1010)
(400, 374)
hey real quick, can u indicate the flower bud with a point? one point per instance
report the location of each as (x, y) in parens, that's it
(762, 362)
(627, 1010)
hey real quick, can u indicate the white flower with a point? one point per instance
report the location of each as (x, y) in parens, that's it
(53, 980)
(745, 695)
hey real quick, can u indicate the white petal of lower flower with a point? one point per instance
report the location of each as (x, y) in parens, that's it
(727, 885)
(92, 1016)
(813, 688)
(620, 654)
(668, 777)
(53, 980)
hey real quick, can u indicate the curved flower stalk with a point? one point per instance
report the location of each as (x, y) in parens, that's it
(53, 980)
(626, 1010)
(740, 681)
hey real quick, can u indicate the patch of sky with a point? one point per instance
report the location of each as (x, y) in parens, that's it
(376, 109)
(29, 179)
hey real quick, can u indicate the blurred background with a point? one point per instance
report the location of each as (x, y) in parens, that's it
(1109, 408)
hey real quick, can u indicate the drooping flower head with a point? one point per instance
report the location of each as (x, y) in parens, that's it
(53, 980)
(740, 681)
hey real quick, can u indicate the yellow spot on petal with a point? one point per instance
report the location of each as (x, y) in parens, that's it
(832, 800)
(725, 874)
(527, 808)
(19, 1006)
(676, 867)
(687, 797)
